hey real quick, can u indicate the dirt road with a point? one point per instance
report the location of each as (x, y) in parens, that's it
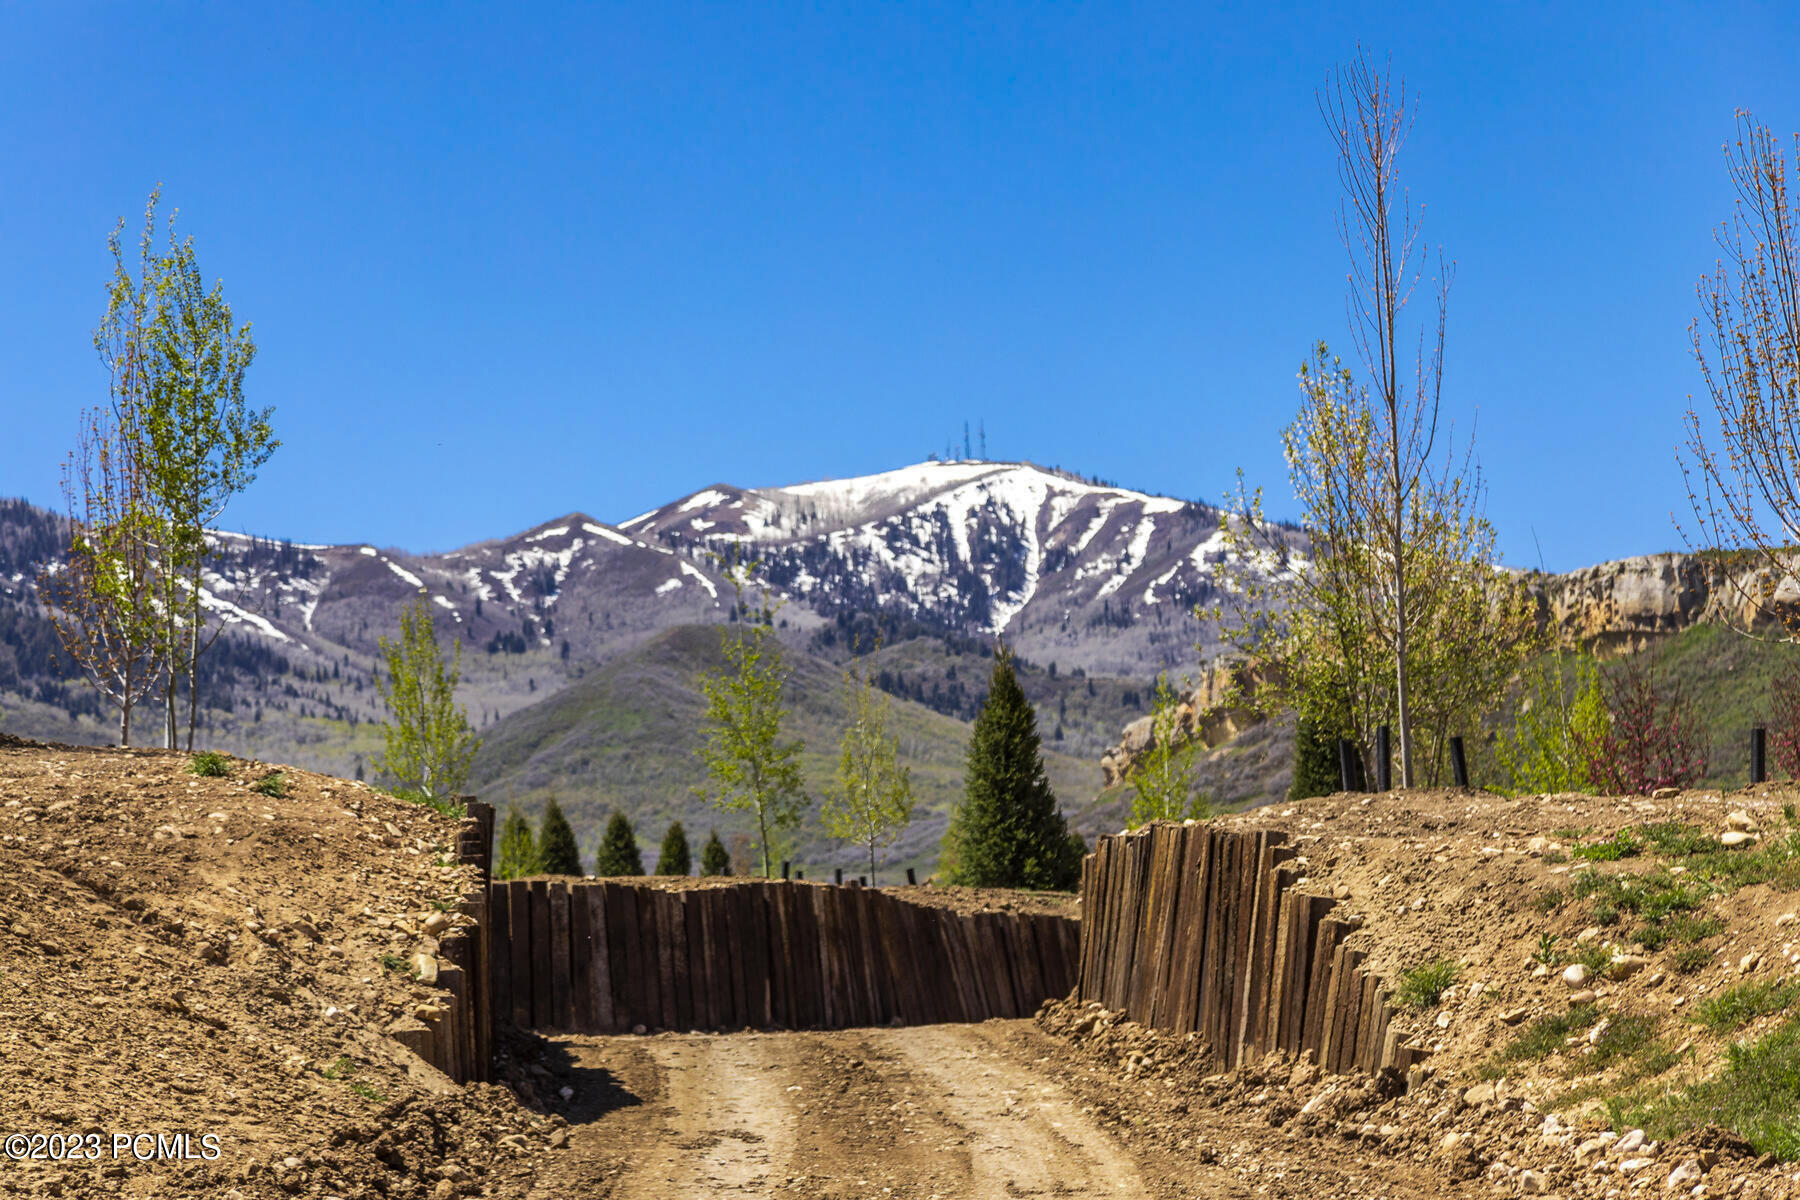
(946, 1111)
(972, 1112)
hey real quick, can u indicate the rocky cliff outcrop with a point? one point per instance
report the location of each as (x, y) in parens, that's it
(1208, 714)
(1613, 608)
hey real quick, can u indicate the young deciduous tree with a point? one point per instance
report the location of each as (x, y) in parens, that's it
(1743, 486)
(1369, 124)
(715, 859)
(557, 851)
(1008, 830)
(518, 854)
(198, 441)
(618, 853)
(1162, 780)
(675, 858)
(1562, 721)
(428, 742)
(872, 802)
(1322, 629)
(749, 767)
(1398, 616)
(103, 600)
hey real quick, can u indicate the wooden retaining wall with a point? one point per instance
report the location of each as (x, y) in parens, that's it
(1193, 929)
(607, 957)
(460, 1042)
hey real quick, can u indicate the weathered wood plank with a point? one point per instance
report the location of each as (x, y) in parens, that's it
(638, 975)
(581, 962)
(561, 1008)
(1193, 931)
(707, 1009)
(600, 977)
(500, 948)
(1318, 988)
(543, 1012)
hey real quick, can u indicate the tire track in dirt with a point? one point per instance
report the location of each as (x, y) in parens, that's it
(1027, 1135)
(936, 1111)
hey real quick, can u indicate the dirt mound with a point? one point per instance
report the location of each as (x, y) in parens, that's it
(1301, 1132)
(197, 959)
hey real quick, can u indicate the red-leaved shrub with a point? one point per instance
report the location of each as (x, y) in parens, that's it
(1784, 719)
(1655, 739)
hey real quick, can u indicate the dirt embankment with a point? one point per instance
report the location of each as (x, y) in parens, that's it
(188, 956)
(1580, 968)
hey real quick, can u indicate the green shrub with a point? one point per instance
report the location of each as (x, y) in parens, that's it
(1690, 959)
(675, 858)
(1681, 929)
(1756, 1096)
(618, 854)
(1595, 958)
(1674, 839)
(1546, 1035)
(1619, 845)
(1736, 1007)
(1624, 1037)
(273, 784)
(209, 764)
(1544, 750)
(447, 805)
(556, 849)
(714, 858)
(518, 855)
(1424, 985)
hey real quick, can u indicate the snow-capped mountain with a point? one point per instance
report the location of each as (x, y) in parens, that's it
(1090, 575)
(1084, 574)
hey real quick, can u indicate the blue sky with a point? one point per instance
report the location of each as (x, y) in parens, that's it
(509, 261)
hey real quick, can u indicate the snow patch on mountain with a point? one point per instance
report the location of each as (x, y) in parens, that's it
(611, 535)
(1134, 557)
(701, 500)
(711, 588)
(1097, 524)
(231, 614)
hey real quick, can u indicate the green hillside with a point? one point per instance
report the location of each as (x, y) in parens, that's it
(624, 736)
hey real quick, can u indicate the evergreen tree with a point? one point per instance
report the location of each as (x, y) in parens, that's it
(558, 853)
(675, 859)
(1008, 831)
(1315, 762)
(518, 848)
(618, 854)
(714, 858)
